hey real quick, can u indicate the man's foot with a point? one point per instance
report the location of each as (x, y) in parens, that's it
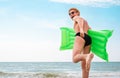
(88, 61)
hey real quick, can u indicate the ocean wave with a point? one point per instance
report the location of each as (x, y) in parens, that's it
(57, 75)
(35, 75)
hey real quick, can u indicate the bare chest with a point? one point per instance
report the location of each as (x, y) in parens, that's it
(76, 27)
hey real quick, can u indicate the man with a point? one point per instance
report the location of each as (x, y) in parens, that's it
(82, 43)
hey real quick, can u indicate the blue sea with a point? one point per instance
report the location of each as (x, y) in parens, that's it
(57, 70)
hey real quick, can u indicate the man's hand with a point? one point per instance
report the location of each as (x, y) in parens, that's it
(82, 33)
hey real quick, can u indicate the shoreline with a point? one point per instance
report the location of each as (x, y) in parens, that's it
(58, 75)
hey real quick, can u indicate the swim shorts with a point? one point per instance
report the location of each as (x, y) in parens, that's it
(87, 38)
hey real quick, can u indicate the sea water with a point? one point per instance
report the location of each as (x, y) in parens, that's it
(57, 70)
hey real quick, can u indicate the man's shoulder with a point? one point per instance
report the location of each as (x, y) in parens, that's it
(77, 18)
(82, 18)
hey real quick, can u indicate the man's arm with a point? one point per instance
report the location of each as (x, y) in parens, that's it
(80, 22)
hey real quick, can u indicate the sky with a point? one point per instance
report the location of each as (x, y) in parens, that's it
(30, 29)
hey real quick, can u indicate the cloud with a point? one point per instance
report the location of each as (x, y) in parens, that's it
(32, 51)
(93, 3)
(27, 39)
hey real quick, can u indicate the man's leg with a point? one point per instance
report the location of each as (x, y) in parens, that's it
(86, 63)
(85, 74)
(78, 48)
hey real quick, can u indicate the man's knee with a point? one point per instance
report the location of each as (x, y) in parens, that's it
(74, 60)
